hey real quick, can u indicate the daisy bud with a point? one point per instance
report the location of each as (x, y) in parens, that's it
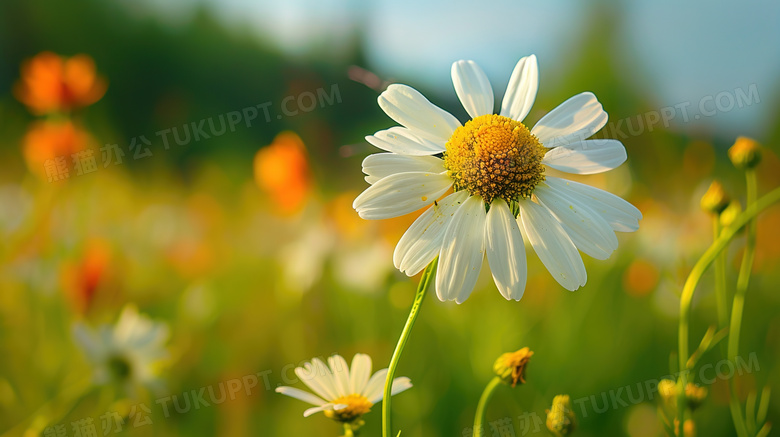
(745, 153)
(730, 214)
(695, 395)
(715, 200)
(668, 391)
(561, 419)
(510, 367)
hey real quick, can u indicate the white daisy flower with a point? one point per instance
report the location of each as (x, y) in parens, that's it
(130, 352)
(341, 394)
(496, 167)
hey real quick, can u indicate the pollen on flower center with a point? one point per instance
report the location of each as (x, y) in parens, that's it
(356, 406)
(495, 157)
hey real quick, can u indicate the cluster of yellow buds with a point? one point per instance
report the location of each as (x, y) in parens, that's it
(744, 154)
(694, 394)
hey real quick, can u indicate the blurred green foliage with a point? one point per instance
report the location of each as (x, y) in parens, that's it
(195, 243)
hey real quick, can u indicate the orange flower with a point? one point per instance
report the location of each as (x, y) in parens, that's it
(47, 141)
(51, 83)
(282, 170)
(81, 278)
(640, 278)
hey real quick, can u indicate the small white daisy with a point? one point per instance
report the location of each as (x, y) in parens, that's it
(340, 393)
(130, 352)
(496, 167)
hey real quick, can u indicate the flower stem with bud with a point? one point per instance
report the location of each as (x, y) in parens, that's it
(739, 302)
(728, 234)
(479, 416)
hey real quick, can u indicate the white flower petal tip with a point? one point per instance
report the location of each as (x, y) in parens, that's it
(505, 251)
(573, 120)
(411, 109)
(586, 228)
(314, 410)
(462, 251)
(400, 384)
(621, 215)
(381, 165)
(400, 194)
(521, 90)
(473, 88)
(403, 141)
(587, 157)
(553, 246)
(300, 395)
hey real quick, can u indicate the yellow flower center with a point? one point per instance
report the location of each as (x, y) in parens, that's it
(356, 406)
(495, 157)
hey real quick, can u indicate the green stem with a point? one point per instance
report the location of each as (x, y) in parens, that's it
(720, 279)
(54, 409)
(697, 271)
(422, 290)
(479, 416)
(738, 306)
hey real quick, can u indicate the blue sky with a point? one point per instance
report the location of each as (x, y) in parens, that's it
(686, 49)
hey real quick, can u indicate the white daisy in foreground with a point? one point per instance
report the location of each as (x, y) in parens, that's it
(130, 352)
(496, 167)
(340, 393)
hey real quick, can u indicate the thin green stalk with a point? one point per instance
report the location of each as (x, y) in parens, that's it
(720, 279)
(697, 271)
(479, 416)
(735, 327)
(422, 290)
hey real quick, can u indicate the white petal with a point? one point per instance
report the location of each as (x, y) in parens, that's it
(473, 88)
(621, 215)
(552, 245)
(399, 384)
(422, 241)
(359, 373)
(326, 378)
(401, 140)
(521, 91)
(311, 411)
(505, 251)
(340, 374)
(462, 251)
(89, 342)
(310, 375)
(380, 165)
(573, 120)
(300, 395)
(375, 385)
(586, 157)
(409, 108)
(400, 194)
(587, 230)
